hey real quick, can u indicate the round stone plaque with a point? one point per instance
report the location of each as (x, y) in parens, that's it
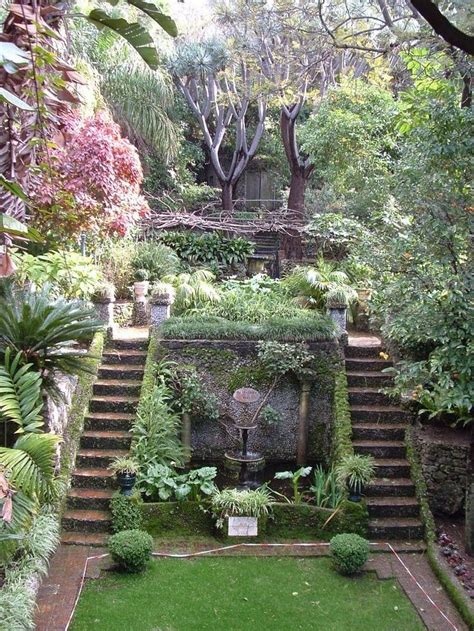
(246, 395)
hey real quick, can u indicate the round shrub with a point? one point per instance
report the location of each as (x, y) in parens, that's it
(349, 552)
(131, 549)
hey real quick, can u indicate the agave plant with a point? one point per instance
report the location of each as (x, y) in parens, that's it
(313, 286)
(193, 289)
(20, 394)
(45, 330)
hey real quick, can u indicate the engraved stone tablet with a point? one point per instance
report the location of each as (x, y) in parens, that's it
(243, 527)
(246, 395)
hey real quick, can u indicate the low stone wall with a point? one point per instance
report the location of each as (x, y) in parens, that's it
(225, 366)
(443, 454)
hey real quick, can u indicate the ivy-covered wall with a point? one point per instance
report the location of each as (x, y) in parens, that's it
(224, 366)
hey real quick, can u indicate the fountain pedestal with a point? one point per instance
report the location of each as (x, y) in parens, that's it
(243, 459)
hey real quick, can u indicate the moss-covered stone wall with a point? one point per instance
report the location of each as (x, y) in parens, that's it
(224, 366)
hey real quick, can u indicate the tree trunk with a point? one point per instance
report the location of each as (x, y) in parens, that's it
(297, 189)
(227, 190)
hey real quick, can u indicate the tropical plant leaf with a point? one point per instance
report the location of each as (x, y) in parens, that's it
(20, 394)
(135, 34)
(8, 222)
(31, 465)
(13, 99)
(166, 23)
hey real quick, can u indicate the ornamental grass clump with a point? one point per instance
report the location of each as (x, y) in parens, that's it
(131, 549)
(349, 553)
(249, 503)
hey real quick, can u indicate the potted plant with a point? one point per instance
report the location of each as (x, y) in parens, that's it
(140, 287)
(104, 293)
(227, 503)
(355, 472)
(126, 470)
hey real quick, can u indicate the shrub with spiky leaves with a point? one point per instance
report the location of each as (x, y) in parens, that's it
(45, 331)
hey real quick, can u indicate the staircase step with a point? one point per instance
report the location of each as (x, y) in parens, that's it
(97, 478)
(130, 344)
(127, 356)
(365, 364)
(395, 528)
(121, 387)
(86, 520)
(392, 506)
(121, 371)
(378, 413)
(378, 431)
(353, 351)
(392, 468)
(361, 379)
(366, 396)
(89, 498)
(94, 539)
(113, 403)
(384, 487)
(110, 439)
(96, 458)
(380, 448)
(109, 421)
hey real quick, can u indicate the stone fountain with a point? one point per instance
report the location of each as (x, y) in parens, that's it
(244, 459)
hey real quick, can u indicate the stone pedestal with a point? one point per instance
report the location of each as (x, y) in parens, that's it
(140, 305)
(338, 315)
(160, 309)
(105, 313)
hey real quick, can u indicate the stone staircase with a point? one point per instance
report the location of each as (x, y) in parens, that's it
(267, 245)
(378, 429)
(86, 520)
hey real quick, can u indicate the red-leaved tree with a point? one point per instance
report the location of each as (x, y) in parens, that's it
(89, 181)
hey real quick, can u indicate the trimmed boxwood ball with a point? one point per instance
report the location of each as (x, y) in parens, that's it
(349, 553)
(126, 512)
(131, 549)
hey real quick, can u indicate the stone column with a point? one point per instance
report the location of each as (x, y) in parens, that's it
(338, 314)
(140, 311)
(470, 498)
(104, 308)
(160, 308)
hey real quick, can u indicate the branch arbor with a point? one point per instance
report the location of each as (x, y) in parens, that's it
(222, 93)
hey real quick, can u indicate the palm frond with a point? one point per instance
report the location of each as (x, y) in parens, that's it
(20, 394)
(31, 464)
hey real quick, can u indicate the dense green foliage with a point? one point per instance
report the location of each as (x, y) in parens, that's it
(349, 552)
(209, 249)
(126, 513)
(131, 549)
(308, 327)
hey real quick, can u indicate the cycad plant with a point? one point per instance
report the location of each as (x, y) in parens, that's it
(20, 394)
(193, 289)
(45, 331)
(315, 286)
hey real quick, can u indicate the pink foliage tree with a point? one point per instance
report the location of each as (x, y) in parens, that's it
(90, 180)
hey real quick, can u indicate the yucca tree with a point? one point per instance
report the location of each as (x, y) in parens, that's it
(20, 394)
(45, 331)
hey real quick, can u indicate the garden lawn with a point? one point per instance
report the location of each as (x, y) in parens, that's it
(243, 594)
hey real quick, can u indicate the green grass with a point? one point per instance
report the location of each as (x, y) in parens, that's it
(244, 594)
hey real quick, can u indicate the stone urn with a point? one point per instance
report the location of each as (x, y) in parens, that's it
(140, 290)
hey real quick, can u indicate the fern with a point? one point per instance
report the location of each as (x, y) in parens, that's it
(20, 394)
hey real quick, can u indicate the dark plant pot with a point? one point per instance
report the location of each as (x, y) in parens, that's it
(355, 492)
(126, 482)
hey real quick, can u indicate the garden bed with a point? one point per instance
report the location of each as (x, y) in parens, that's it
(244, 593)
(289, 521)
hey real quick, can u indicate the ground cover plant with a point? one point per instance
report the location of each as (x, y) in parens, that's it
(243, 594)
